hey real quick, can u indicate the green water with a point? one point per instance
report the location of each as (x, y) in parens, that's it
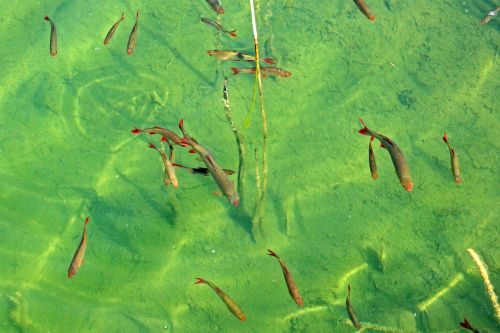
(422, 68)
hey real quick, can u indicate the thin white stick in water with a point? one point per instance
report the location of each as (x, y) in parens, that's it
(487, 283)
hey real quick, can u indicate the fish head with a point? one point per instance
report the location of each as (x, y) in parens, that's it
(408, 185)
(234, 198)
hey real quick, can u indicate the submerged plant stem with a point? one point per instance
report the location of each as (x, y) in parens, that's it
(259, 207)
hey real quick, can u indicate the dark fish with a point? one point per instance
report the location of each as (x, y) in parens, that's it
(218, 27)
(293, 290)
(371, 160)
(397, 156)
(364, 9)
(202, 171)
(467, 326)
(165, 133)
(225, 184)
(132, 40)
(455, 167)
(350, 310)
(490, 16)
(265, 71)
(215, 4)
(231, 305)
(111, 31)
(53, 37)
(79, 253)
(236, 56)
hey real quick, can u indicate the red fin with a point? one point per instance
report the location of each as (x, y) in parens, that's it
(235, 70)
(163, 139)
(136, 130)
(272, 253)
(191, 151)
(181, 123)
(269, 61)
(151, 133)
(46, 18)
(372, 138)
(151, 145)
(445, 139)
(232, 34)
(86, 220)
(466, 325)
(382, 145)
(364, 130)
(199, 280)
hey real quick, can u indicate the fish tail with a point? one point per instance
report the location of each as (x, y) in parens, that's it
(137, 15)
(364, 130)
(372, 138)
(181, 124)
(269, 61)
(86, 220)
(232, 33)
(445, 138)
(46, 17)
(123, 16)
(272, 253)
(199, 280)
(466, 325)
(136, 130)
(235, 70)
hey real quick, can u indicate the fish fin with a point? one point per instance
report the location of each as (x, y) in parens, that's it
(466, 325)
(151, 133)
(136, 130)
(163, 139)
(269, 61)
(191, 151)
(382, 145)
(137, 15)
(220, 10)
(217, 193)
(123, 16)
(263, 75)
(47, 18)
(364, 130)
(181, 124)
(86, 220)
(372, 138)
(235, 70)
(272, 253)
(232, 34)
(445, 138)
(199, 280)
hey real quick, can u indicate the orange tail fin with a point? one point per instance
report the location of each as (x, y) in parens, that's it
(86, 220)
(199, 280)
(269, 61)
(235, 70)
(232, 33)
(272, 253)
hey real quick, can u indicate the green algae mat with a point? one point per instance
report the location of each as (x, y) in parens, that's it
(66, 152)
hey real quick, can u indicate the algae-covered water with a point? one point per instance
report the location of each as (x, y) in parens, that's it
(67, 152)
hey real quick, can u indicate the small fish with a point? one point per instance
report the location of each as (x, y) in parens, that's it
(218, 27)
(215, 4)
(490, 16)
(265, 71)
(53, 37)
(371, 159)
(455, 167)
(290, 283)
(80, 252)
(397, 156)
(170, 176)
(467, 326)
(132, 40)
(225, 184)
(350, 310)
(111, 31)
(231, 305)
(236, 56)
(364, 9)
(201, 170)
(165, 133)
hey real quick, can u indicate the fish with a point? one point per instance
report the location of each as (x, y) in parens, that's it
(215, 4)
(111, 31)
(455, 167)
(170, 176)
(236, 56)
(218, 27)
(490, 16)
(53, 37)
(293, 290)
(201, 170)
(132, 40)
(371, 159)
(350, 310)
(265, 71)
(467, 326)
(165, 133)
(231, 305)
(397, 156)
(77, 261)
(363, 7)
(225, 184)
